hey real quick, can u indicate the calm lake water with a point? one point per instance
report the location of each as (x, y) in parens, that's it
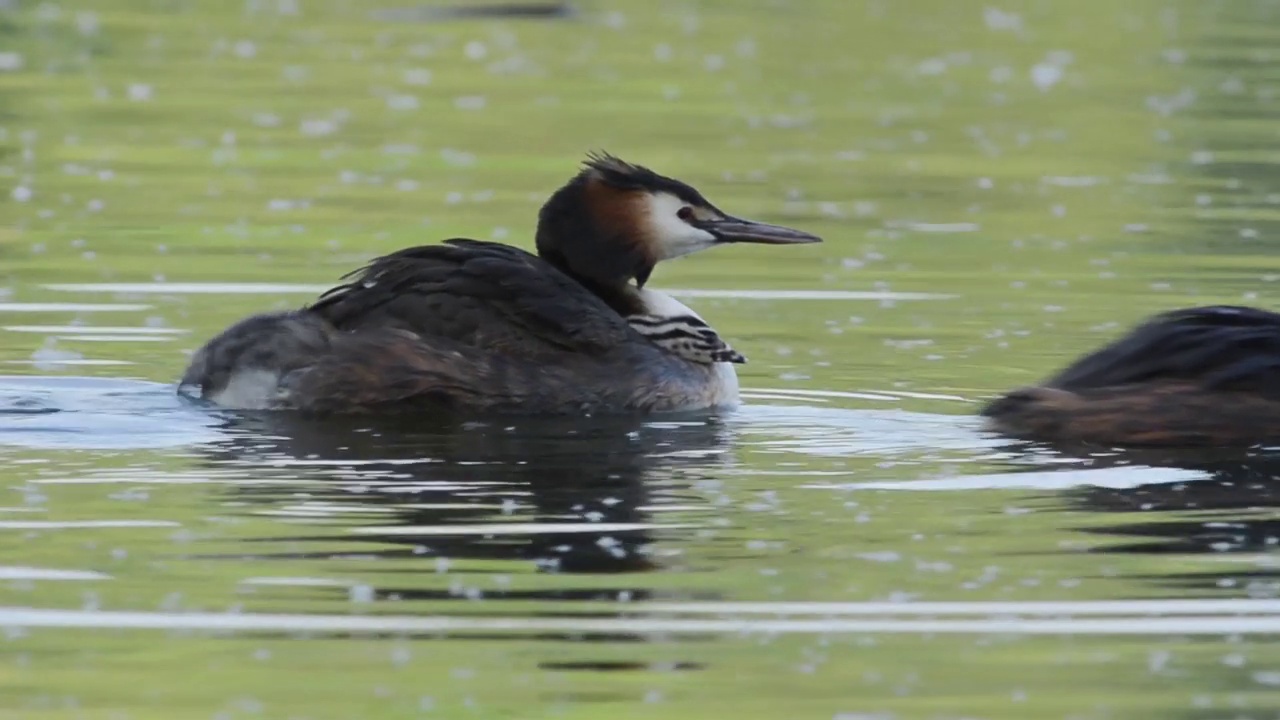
(1002, 185)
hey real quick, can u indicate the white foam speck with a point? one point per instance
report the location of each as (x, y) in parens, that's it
(139, 92)
(1045, 76)
(11, 61)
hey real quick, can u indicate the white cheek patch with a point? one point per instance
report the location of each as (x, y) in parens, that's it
(674, 237)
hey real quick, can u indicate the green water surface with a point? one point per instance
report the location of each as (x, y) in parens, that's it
(1001, 186)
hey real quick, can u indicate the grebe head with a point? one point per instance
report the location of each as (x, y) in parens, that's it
(615, 221)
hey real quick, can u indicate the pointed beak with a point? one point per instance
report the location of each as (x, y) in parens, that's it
(736, 230)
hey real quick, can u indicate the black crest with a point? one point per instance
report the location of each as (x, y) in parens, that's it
(623, 175)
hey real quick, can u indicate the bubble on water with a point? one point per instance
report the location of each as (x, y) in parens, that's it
(1232, 86)
(401, 655)
(475, 50)
(139, 92)
(1167, 105)
(267, 120)
(317, 127)
(416, 76)
(1045, 76)
(280, 205)
(662, 52)
(880, 556)
(361, 593)
(87, 23)
(470, 102)
(457, 158)
(931, 66)
(245, 49)
(22, 194)
(11, 61)
(999, 20)
(402, 102)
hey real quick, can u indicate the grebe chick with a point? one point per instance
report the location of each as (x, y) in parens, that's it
(1196, 377)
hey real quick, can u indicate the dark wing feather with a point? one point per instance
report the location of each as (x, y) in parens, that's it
(481, 294)
(1219, 347)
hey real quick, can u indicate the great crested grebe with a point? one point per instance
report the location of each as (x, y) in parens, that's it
(1196, 377)
(482, 326)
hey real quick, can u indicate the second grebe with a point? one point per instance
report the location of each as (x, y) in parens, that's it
(483, 326)
(1196, 377)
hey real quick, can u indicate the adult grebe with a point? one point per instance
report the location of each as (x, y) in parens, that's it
(482, 326)
(1202, 376)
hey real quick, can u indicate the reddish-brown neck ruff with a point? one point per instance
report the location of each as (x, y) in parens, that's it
(592, 230)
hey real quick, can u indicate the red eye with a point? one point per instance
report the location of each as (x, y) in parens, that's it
(685, 213)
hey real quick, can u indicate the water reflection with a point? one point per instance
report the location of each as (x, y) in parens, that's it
(1229, 512)
(1219, 503)
(569, 495)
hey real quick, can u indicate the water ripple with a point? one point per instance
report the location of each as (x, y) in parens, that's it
(97, 413)
(1181, 625)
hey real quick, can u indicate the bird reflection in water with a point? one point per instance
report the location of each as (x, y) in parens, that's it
(528, 490)
(1220, 502)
